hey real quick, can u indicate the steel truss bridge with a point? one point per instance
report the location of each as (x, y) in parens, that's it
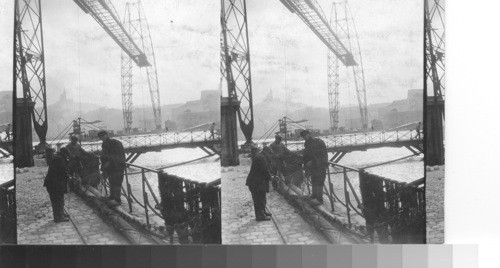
(340, 145)
(135, 145)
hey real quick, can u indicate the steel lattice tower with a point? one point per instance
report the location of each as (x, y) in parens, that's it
(235, 61)
(30, 61)
(136, 25)
(342, 22)
(434, 80)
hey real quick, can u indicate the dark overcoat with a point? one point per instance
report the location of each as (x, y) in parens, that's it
(259, 176)
(57, 177)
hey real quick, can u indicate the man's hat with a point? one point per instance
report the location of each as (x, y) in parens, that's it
(304, 132)
(278, 137)
(102, 133)
(64, 151)
(73, 137)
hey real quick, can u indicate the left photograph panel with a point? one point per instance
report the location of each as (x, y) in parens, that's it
(7, 184)
(117, 115)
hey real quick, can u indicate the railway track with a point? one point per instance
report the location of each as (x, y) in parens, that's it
(277, 226)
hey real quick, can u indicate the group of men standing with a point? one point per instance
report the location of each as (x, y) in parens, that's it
(270, 162)
(67, 162)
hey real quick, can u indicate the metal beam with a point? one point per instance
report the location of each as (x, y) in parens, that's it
(137, 27)
(434, 83)
(342, 21)
(29, 60)
(310, 12)
(105, 14)
(235, 61)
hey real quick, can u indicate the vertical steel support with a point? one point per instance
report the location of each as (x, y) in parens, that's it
(434, 78)
(30, 62)
(342, 26)
(136, 25)
(23, 154)
(333, 79)
(235, 61)
(229, 133)
(145, 196)
(347, 199)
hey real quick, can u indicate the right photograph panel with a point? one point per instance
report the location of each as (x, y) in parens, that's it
(434, 119)
(322, 122)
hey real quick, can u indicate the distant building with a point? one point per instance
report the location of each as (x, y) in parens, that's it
(197, 112)
(170, 125)
(397, 118)
(377, 124)
(416, 99)
(404, 111)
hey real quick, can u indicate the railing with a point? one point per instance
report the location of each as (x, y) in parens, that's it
(5, 147)
(151, 140)
(348, 191)
(395, 210)
(293, 174)
(7, 213)
(190, 208)
(368, 138)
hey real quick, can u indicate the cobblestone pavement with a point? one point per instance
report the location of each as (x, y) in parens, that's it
(238, 219)
(35, 221)
(435, 204)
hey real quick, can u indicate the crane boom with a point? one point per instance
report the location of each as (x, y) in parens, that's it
(310, 12)
(103, 12)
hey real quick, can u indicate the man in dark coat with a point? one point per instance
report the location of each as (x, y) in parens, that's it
(258, 183)
(56, 183)
(315, 160)
(113, 166)
(279, 153)
(76, 155)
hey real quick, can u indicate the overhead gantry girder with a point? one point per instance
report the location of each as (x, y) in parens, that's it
(310, 12)
(105, 14)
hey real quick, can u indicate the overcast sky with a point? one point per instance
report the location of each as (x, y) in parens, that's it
(391, 39)
(84, 60)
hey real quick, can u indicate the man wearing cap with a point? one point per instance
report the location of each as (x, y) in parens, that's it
(113, 165)
(258, 182)
(56, 182)
(76, 154)
(315, 160)
(279, 153)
